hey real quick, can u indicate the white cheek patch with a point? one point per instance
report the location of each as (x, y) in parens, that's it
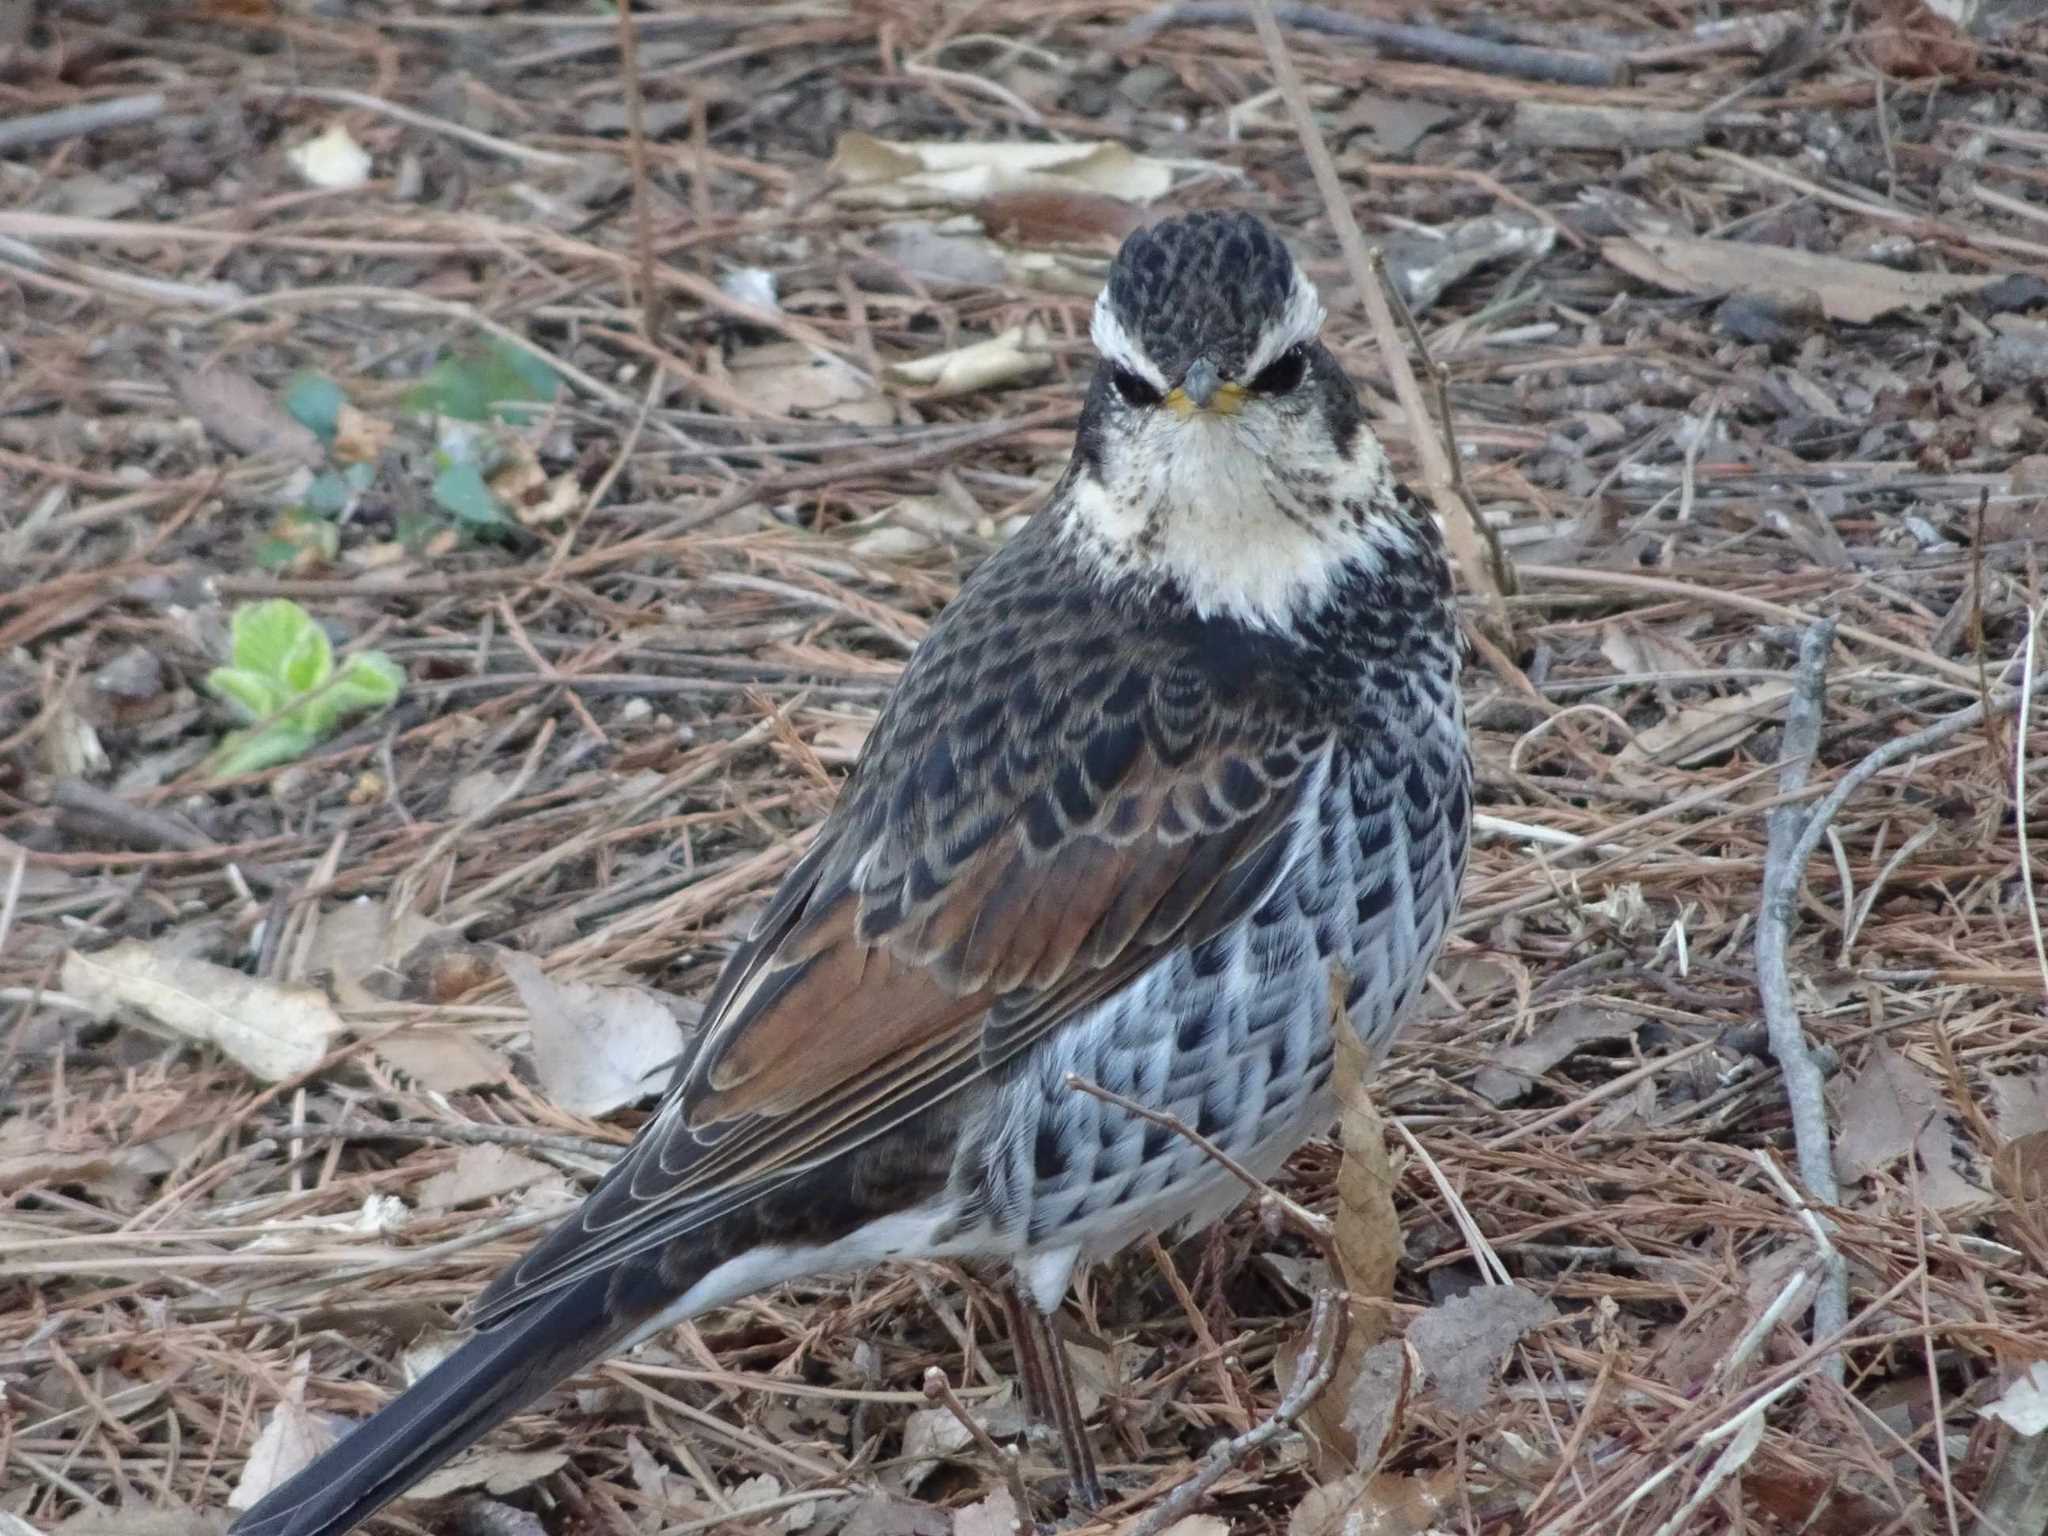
(1115, 344)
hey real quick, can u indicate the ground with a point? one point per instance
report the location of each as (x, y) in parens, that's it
(1752, 336)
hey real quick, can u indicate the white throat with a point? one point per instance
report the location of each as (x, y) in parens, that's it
(1252, 517)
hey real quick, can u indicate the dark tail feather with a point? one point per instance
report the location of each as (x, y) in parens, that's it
(484, 1382)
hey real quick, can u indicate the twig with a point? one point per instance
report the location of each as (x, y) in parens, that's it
(72, 122)
(939, 1390)
(1430, 45)
(1326, 1320)
(651, 301)
(363, 101)
(1782, 869)
(456, 1133)
(1438, 477)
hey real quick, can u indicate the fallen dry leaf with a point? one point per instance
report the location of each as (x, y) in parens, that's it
(493, 1471)
(334, 161)
(996, 1515)
(1513, 1071)
(930, 1435)
(274, 1031)
(594, 1048)
(1841, 289)
(1708, 728)
(2024, 1402)
(362, 946)
(241, 414)
(1461, 1342)
(480, 1173)
(289, 1440)
(1022, 352)
(787, 380)
(2020, 1104)
(1389, 1504)
(1881, 1111)
(962, 174)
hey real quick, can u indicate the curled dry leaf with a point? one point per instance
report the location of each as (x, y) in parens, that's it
(1513, 1071)
(1708, 728)
(1022, 352)
(594, 1048)
(1389, 1504)
(1841, 289)
(480, 1173)
(1461, 1342)
(954, 174)
(1881, 1111)
(241, 414)
(493, 1471)
(1345, 1421)
(291, 1437)
(274, 1031)
(2024, 1403)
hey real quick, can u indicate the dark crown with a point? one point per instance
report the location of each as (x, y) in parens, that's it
(1203, 283)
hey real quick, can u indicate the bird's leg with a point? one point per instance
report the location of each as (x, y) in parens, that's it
(1066, 1417)
(1029, 1352)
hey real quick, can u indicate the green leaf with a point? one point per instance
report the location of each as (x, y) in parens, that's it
(496, 379)
(369, 680)
(315, 401)
(265, 635)
(310, 662)
(252, 695)
(461, 492)
(329, 494)
(251, 751)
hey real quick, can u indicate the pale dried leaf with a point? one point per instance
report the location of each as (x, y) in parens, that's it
(1856, 291)
(445, 1060)
(1942, 1160)
(274, 1031)
(2024, 1403)
(1636, 650)
(785, 379)
(1021, 352)
(493, 1471)
(1708, 728)
(1389, 1504)
(2019, 1105)
(479, 1174)
(334, 161)
(1881, 1111)
(1187, 1525)
(594, 1048)
(1513, 1071)
(1462, 1342)
(930, 1435)
(996, 1515)
(362, 947)
(960, 174)
(289, 1441)
(241, 414)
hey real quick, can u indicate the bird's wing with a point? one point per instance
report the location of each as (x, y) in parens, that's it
(1015, 845)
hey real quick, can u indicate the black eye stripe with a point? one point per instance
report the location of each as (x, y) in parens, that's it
(1135, 388)
(1283, 374)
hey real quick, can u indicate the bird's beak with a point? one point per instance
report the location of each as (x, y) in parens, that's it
(1202, 388)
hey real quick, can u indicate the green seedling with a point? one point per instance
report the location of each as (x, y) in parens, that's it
(284, 683)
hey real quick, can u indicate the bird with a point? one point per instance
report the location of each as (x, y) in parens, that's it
(1182, 760)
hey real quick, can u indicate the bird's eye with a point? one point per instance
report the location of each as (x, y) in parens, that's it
(1283, 373)
(1135, 388)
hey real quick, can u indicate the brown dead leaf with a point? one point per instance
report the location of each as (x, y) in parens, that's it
(493, 1471)
(1642, 650)
(362, 946)
(1708, 728)
(996, 1515)
(1462, 1342)
(242, 415)
(1036, 218)
(784, 379)
(274, 1031)
(1513, 1071)
(594, 1048)
(2019, 1105)
(1387, 1504)
(1855, 291)
(479, 1174)
(359, 437)
(1344, 1422)
(1881, 1110)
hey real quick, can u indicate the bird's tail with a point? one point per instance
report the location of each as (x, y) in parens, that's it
(485, 1381)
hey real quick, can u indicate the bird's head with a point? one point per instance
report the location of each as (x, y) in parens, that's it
(1222, 447)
